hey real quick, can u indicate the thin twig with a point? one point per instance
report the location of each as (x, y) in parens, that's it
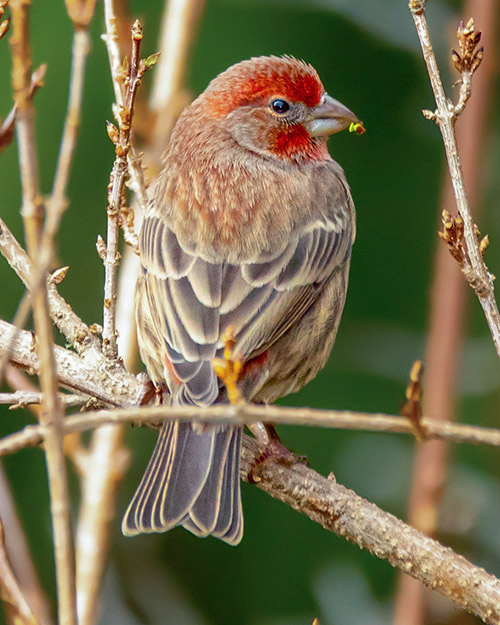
(52, 413)
(57, 202)
(445, 116)
(118, 178)
(248, 414)
(19, 399)
(137, 180)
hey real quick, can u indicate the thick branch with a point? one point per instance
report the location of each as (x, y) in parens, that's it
(341, 511)
(110, 385)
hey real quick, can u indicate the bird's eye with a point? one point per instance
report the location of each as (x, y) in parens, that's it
(279, 106)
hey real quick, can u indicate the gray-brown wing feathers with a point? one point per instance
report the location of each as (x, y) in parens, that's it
(184, 304)
(194, 301)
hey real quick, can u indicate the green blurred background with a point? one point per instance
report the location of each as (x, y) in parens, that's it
(287, 570)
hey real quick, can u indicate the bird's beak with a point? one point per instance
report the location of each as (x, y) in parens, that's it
(329, 117)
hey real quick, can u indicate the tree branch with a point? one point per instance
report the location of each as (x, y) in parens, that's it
(348, 515)
(470, 255)
(52, 414)
(111, 40)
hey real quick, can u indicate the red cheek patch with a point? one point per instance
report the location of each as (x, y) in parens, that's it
(291, 141)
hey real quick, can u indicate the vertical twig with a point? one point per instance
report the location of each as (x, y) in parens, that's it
(137, 181)
(445, 116)
(52, 413)
(107, 458)
(106, 455)
(119, 176)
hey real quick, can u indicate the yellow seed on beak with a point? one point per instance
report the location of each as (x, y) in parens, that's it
(357, 127)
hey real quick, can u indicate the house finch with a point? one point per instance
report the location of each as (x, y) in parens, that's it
(250, 228)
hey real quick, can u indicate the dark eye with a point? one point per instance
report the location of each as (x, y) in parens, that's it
(279, 106)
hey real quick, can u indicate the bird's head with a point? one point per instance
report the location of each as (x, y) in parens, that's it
(276, 107)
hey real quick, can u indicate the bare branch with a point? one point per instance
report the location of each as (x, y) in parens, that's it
(111, 40)
(444, 349)
(19, 399)
(57, 202)
(52, 414)
(445, 116)
(118, 178)
(86, 375)
(348, 515)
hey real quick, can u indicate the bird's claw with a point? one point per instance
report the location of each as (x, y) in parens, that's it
(274, 451)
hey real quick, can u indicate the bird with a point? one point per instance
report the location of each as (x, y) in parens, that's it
(249, 230)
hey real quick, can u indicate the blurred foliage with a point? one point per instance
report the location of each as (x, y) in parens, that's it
(287, 570)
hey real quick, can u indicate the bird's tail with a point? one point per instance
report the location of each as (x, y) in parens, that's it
(192, 480)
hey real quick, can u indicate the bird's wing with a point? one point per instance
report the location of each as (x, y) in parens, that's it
(193, 301)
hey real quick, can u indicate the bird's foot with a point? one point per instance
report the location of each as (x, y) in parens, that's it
(274, 451)
(149, 390)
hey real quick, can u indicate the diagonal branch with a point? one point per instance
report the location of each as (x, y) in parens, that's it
(348, 515)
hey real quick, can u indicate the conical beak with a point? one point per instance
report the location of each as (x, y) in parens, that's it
(328, 117)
